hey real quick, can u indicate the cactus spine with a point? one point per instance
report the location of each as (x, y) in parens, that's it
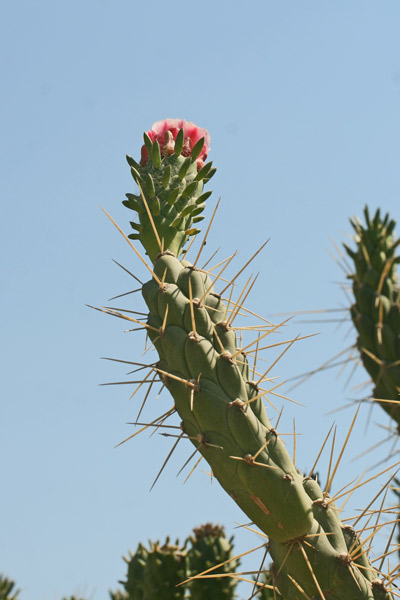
(207, 372)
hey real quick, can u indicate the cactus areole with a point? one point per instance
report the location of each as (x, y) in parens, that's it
(207, 372)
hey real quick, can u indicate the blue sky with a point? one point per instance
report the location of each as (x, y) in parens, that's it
(302, 103)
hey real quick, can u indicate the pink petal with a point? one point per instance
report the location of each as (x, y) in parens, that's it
(160, 127)
(192, 134)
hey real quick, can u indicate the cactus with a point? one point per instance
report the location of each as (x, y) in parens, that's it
(7, 589)
(376, 309)
(155, 572)
(170, 176)
(210, 547)
(219, 399)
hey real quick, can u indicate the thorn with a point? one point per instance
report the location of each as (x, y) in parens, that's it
(194, 468)
(218, 276)
(164, 324)
(188, 248)
(132, 246)
(164, 416)
(126, 271)
(330, 480)
(186, 382)
(235, 314)
(151, 219)
(206, 234)
(259, 338)
(191, 308)
(210, 259)
(335, 498)
(311, 570)
(207, 571)
(146, 397)
(166, 460)
(125, 294)
(246, 265)
(278, 359)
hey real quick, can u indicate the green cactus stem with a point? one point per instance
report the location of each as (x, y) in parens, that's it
(204, 367)
(209, 547)
(207, 373)
(376, 309)
(155, 572)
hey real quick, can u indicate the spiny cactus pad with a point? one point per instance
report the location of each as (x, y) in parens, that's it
(376, 310)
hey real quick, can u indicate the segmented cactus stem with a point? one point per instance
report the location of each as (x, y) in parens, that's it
(219, 398)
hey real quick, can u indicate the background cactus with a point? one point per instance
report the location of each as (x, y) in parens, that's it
(210, 547)
(7, 589)
(157, 571)
(376, 309)
(219, 399)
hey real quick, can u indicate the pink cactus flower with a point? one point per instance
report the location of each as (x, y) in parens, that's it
(165, 133)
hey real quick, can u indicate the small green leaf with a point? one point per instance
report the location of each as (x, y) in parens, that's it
(184, 168)
(192, 231)
(203, 172)
(210, 174)
(166, 177)
(198, 219)
(134, 236)
(199, 209)
(197, 148)
(151, 192)
(134, 203)
(186, 211)
(203, 197)
(136, 175)
(155, 207)
(148, 143)
(179, 142)
(173, 196)
(190, 189)
(156, 155)
(177, 221)
(136, 226)
(132, 162)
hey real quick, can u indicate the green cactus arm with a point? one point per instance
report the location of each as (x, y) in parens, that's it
(376, 308)
(213, 396)
(207, 373)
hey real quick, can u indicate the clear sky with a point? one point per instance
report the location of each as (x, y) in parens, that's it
(302, 101)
